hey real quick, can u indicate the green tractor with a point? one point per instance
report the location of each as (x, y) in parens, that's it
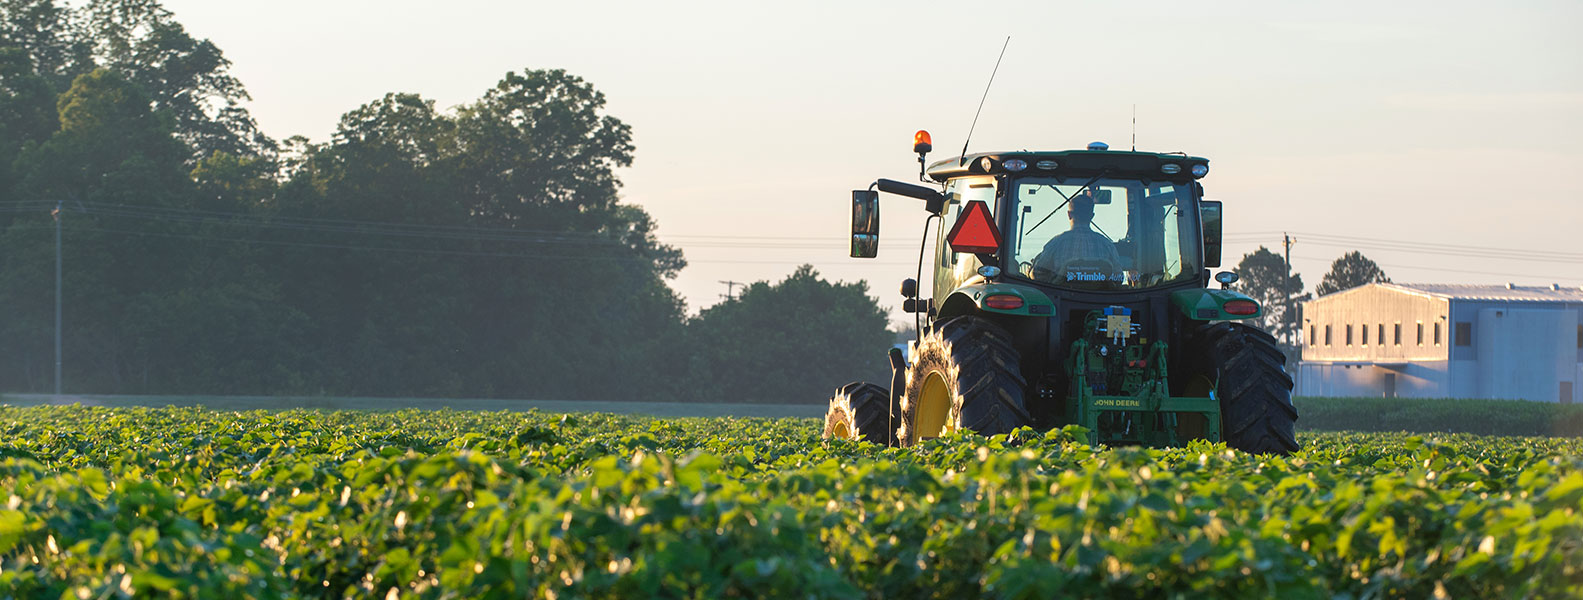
(1071, 287)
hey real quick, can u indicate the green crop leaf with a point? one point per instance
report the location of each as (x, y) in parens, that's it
(1568, 491)
(12, 526)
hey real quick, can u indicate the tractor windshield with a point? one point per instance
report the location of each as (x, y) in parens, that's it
(1105, 234)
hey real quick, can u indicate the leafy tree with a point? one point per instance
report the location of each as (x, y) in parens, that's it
(537, 144)
(27, 117)
(483, 251)
(538, 156)
(47, 38)
(388, 321)
(153, 303)
(186, 77)
(1263, 275)
(110, 149)
(1350, 271)
(793, 341)
(524, 180)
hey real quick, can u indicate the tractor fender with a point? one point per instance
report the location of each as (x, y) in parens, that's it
(970, 299)
(1209, 305)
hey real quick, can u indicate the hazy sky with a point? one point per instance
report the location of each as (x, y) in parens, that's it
(1399, 124)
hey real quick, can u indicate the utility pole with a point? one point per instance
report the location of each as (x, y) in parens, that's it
(1286, 241)
(731, 287)
(1288, 312)
(57, 214)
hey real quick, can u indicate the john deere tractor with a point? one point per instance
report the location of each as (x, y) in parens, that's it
(1070, 287)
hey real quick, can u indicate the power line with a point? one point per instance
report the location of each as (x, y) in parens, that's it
(1462, 254)
(242, 218)
(446, 252)
(1438, 245)
(1399, 266)
(474, 233)
(444, 233)
(427, 232)
(497, 233)
(1427, 248)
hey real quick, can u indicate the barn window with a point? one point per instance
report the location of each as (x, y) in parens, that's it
(1420, 333)
(1398, 334)
(1349, 334)
(1365, 333)
(1327, 335)
(1464, 333)
(1381, 337)
(1313, 341)
(1437, 333)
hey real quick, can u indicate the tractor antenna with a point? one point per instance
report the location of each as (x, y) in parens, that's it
(1135, 127)
(981, 100)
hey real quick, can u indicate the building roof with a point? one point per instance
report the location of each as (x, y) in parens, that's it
(1499, 293)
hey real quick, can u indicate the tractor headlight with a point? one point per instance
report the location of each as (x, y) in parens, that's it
(1015, 164)
(1200, 170)
(1170, 168)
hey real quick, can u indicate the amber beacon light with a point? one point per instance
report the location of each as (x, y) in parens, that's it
(921, 142)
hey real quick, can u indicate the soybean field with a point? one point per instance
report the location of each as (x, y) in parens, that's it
(201, 503)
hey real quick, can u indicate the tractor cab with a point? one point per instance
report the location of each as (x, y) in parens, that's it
(1085, 220)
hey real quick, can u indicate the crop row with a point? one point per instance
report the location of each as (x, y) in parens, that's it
(302, 504)
(1451, 415)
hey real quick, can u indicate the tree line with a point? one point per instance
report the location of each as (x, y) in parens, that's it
(477, 252)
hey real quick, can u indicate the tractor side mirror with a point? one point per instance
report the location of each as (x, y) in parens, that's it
(1209, 215)
(865, 223)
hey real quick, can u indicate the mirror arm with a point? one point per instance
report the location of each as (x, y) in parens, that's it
(933, 201)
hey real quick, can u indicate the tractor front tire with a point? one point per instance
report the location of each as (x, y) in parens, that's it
(861, 411)
(1256, 412)
(964, 375)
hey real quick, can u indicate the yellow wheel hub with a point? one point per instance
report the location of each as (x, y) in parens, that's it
(841, 431)
(934, 408)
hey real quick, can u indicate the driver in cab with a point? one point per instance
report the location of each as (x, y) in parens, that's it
(1079, 253)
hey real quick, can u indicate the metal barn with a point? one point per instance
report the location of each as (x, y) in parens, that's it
(1445, 341)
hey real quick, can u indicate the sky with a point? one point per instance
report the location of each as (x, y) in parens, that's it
(1438, 138)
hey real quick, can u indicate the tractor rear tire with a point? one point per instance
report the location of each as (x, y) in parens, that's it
(1256, 412)
(861, 411)
(965, 375)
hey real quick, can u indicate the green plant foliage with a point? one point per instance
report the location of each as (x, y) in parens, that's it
(194, 503)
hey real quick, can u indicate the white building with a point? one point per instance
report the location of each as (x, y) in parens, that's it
(1445, 341)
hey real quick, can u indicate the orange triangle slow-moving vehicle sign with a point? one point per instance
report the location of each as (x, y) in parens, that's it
(975, 230)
